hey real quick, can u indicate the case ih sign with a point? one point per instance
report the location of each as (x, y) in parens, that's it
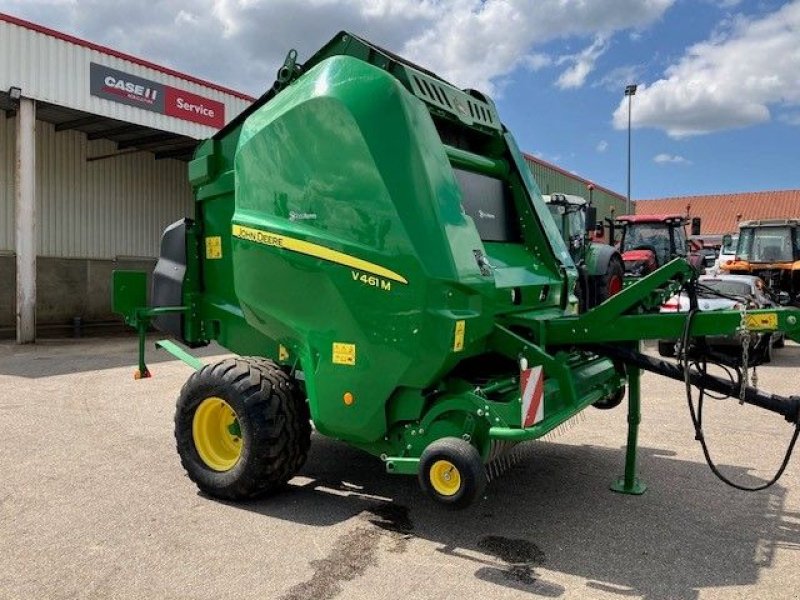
(150, 95)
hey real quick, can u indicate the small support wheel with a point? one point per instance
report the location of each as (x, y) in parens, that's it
(612, 401)
(451, 472)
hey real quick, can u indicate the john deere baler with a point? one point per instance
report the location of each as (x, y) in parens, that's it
(370, 236)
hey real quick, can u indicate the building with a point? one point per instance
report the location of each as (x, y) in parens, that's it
(552, 179)
(721, 213)
(94, 146)
(93, 152)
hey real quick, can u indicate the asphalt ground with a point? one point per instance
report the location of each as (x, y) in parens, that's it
(94, 503)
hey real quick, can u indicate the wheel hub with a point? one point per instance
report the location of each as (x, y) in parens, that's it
(217, 435)
(445, 478)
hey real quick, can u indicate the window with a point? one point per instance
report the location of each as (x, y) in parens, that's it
(765, 244)
(650, 236)
(488, 201)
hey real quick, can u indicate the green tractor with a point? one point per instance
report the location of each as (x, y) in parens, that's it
(370, 242)
(601, 271)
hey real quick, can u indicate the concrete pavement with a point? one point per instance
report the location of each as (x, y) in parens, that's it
(94, 503)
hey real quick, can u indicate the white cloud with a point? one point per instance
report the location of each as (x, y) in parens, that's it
(728, 81)
(617, 78)
(241, 43)
(675, 159)
(536, 61)
(582, 64)
(602, 146)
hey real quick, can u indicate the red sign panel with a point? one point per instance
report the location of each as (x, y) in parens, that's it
(191, 107)
(119, 86)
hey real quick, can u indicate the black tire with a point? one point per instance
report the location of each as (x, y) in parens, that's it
(767, 358)
(273, 421)
(612, 401)
(466, 460)
(610, 282)
(666, 348)
(780, 340)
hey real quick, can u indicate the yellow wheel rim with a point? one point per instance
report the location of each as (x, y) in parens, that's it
(445, 478)
(216, 434)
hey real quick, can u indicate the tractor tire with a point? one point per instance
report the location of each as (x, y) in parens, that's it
(452, 473)
(780, 340)
(767, 357)
(612, 401)
(242, 428)
(610, 282)
(666, 349)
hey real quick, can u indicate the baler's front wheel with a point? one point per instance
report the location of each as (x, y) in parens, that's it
(451, 472)
(242, 428)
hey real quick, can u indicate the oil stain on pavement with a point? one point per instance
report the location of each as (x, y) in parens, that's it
(520, 556)
(355, 551)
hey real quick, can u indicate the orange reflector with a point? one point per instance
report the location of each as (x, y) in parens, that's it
(348, 398)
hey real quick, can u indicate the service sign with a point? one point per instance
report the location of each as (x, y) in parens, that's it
(125, 88)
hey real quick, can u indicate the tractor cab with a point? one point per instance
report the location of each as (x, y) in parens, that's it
(574, 217)
(770, 249)
(651, 241)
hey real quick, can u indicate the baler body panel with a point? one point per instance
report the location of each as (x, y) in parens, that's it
(351, 249)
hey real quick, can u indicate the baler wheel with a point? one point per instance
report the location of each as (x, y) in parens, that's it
(242, 428)
(451, 472)
(611, 401)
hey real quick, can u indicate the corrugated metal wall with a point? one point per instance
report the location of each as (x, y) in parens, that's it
(551, 181)
(100, 209)
(7, 138)
(57, 71)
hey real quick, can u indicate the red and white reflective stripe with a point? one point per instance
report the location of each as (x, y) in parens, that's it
(531, 383)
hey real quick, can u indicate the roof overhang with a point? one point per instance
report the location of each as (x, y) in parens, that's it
(129, 137)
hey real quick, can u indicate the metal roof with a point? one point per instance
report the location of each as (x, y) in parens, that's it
(721, 213)
(651, 218)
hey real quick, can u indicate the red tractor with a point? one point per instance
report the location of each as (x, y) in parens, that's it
(651, 241)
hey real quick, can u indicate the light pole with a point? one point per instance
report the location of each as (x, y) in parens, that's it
(630, 91)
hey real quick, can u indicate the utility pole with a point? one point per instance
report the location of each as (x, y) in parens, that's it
(630, 91)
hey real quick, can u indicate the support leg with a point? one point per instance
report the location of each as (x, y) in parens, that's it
(141, 329)
(630, 484)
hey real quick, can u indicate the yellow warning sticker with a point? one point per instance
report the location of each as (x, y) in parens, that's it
(344, 354)
(458, 339)
(283, 353)
(762, 321)
(214, 247)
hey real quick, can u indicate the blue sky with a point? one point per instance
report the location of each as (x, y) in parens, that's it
(573, 127)
(718, 109)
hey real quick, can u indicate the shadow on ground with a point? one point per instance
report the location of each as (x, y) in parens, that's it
(553, 509)
(52, 357)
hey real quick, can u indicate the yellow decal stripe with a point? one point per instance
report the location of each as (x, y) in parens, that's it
(267, 238)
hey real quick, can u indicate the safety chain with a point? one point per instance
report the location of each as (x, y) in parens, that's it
(744, 333)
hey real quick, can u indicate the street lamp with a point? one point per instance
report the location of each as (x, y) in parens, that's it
(630, 91)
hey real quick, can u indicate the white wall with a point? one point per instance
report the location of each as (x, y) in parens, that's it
(109, 208)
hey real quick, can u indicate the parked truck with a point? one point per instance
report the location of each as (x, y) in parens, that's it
(369, 242)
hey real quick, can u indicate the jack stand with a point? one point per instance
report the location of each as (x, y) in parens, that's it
(141, 329)
(630, 484)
